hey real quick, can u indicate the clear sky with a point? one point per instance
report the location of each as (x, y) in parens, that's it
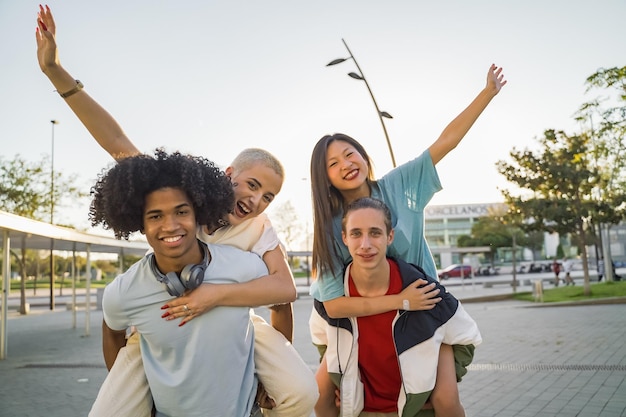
(214, 77)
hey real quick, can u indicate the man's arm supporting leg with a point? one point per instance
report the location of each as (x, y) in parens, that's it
(285, 376)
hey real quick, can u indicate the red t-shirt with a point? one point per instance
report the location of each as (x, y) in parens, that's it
(378, 362)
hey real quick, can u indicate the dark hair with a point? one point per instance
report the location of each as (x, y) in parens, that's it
(328, 201)
(367, 202)
(118, 197)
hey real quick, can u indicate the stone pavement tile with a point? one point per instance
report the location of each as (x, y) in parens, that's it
(51, 369)
(549, 361)
(533, 362)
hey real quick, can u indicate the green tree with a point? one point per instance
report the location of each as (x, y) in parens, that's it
(25, 188)
(534, 240)
(557, 184)
(109, 268)
(488, 231)
(22, 188)
(25, 191)
(605, 118)
(574, 182)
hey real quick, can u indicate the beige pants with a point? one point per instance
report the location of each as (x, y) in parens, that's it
(285, 376)
(125, 390)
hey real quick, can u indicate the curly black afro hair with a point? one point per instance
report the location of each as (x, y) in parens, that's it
(119, 194)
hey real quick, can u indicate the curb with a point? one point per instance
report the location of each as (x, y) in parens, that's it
(596, 301)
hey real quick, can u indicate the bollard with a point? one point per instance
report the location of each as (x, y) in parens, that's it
(538, 290)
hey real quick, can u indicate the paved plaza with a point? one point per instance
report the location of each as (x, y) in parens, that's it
(535, 360)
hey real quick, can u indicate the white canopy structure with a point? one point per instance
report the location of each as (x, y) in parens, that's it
(32, 234)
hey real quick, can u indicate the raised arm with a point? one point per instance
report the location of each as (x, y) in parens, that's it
(419, 296)
(102, 126)
(456, 130)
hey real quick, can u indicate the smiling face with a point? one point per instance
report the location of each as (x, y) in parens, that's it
(169, 224)
(255, 188)
(366, 235)
(347, 170)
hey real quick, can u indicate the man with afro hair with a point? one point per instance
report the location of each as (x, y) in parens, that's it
(206, 366)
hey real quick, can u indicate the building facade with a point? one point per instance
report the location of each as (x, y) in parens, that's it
(445, 223)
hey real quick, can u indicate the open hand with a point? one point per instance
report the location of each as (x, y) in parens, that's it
(421, 295)
(191, 304)
(47, 53)
(495, 79)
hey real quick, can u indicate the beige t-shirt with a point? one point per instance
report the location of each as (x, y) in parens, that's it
(256, 235)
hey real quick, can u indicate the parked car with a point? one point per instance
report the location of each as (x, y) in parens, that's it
(535, 267)
(455, 270)
(487, 270)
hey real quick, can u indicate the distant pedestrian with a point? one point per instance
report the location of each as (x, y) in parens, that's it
(568, 264)
(600, 269)
(556, 268)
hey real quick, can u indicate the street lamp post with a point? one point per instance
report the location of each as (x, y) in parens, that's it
(360, 76)
(52, 123)
(514, 283)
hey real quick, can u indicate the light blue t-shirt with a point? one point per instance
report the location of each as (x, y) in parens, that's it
(406, 190)
(205, 367)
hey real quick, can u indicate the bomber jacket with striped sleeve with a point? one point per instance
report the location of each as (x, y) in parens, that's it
(417, 337)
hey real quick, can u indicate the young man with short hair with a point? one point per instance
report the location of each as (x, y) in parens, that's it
(387, 364)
